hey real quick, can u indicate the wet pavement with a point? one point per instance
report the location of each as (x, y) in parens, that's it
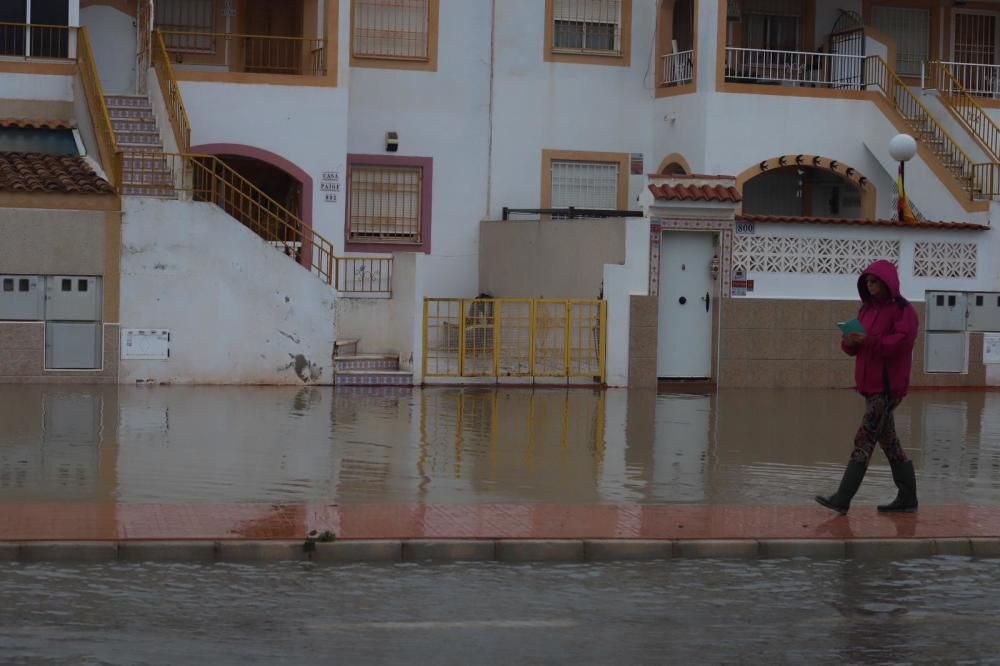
(927, 611)
(260, 462)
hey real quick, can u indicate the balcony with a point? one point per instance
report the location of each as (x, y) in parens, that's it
(677, 68)
(982, 81)
(252, 54)
(24, 42)
(795, 68)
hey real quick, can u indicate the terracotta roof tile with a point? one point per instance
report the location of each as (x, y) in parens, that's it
(788, 219)
(37, 123)
(696, 193)
(36, 172)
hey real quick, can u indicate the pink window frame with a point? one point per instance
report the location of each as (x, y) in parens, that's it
(426, 165)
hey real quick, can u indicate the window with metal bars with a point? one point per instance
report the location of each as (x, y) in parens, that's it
(587, 26)
(384, 204)
(584, 184)
(911, 28)
(396, 29)
(186, 16)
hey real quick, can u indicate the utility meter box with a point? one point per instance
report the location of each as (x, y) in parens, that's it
(73, 298)
(946, 352)
(946, 311)
(22, 298)
(984, 311)
(72, 345)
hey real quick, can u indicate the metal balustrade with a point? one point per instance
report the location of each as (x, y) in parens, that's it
(678, 68)
(795, 68)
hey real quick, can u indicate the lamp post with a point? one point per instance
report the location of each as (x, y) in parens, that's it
(902, 148)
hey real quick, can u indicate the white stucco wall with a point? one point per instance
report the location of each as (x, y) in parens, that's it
(238, 310)
(833, 287)
(51, 87)
(443, 115)
(388, 325)
(620, 283)
(113, 38)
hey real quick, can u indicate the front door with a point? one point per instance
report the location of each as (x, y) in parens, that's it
(684, 344)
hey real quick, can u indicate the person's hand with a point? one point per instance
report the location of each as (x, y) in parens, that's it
(855, 339)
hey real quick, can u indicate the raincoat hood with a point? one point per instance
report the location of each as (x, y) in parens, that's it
(884, 271)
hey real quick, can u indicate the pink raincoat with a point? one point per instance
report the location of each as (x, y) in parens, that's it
(882, 363)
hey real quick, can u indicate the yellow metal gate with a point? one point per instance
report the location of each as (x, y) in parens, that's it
(514, 337)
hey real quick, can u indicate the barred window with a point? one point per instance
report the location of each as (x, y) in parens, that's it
(584, 184)
(385, 204)
(587, 26)
(185, 17)
(390, 29)
(911, 28)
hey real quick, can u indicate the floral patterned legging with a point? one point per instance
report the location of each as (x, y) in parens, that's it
(877, 425)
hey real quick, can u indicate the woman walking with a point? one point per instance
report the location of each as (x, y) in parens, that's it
(883, 354)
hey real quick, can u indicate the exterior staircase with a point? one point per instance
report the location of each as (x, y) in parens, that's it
(353, 369)
(145, 170)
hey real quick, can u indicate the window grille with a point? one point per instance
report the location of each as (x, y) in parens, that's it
(584, 184)
(911, 30)
(186, 16)
(587, 26)
(385, 204)
(391, 29)
(975, 38)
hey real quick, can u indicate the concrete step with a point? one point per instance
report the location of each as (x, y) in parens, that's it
(134, 125)
(121, 112)
(138, 138)
(148, 191)
(345, 347)
(366, 362)
(373, 378)
(128, 100)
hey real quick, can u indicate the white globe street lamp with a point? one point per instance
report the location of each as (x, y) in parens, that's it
(902, 148)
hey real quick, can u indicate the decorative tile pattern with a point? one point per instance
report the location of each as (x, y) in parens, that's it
(824, 256)
(945, 260)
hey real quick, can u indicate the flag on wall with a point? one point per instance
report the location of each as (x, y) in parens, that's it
(904, 212)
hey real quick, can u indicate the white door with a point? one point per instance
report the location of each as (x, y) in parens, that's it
(684, 345)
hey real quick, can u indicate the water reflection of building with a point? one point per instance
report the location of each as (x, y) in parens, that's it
(58, 443)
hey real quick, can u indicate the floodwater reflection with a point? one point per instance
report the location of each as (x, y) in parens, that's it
(474, 445)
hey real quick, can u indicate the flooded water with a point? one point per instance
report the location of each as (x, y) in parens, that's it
(475, 445)
(932, 611)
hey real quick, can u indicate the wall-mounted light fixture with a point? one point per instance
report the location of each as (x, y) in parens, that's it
(391, 142)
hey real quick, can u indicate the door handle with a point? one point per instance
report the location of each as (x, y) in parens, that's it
(708, 301)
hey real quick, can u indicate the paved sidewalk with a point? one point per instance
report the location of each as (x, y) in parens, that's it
(124, 522)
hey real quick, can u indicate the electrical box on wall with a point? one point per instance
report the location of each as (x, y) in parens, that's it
(984, 312)
(946, 311)
(72, 346)
(22, 298)
(946, 352)
(72, 298)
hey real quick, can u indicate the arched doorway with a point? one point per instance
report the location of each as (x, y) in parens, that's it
(806, 186)
(281, 181)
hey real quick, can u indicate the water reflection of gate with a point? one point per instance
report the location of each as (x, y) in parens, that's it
(489, 434)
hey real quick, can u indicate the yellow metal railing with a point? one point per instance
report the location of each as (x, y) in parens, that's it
(976, 120)
(107, 144)
(261, 54)
(924, 125)
(32, 40)
(514, 337)
(171, 93)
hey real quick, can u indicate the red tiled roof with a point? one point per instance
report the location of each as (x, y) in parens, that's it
(37, 123)
(696, 193)
(788, 219)
(36, 172)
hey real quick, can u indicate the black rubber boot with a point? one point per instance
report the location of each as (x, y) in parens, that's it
(840, 501)
(906, 481)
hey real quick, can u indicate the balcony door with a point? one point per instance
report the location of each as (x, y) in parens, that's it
(265, 23)
(47, 38)
(974, 50)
